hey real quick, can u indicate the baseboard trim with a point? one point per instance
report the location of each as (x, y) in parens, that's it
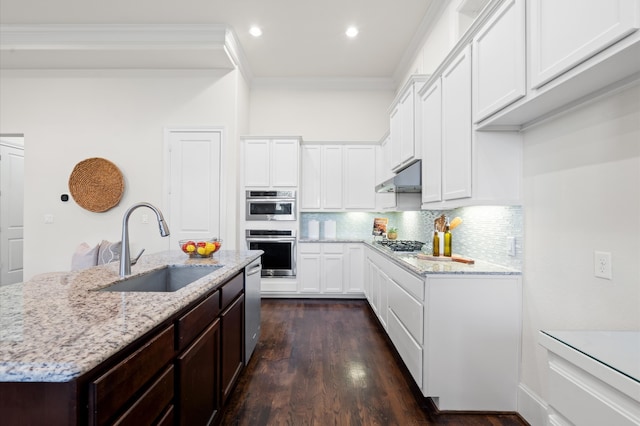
(531, 407)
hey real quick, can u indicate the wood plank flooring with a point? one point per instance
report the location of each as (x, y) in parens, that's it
(326, 362)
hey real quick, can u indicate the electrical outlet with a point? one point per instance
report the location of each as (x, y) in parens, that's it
(602, 264)
(48, 218)
(145, 218)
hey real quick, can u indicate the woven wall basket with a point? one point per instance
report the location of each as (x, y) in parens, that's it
(96, 184)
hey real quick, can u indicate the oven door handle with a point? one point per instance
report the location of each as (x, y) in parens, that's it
(271, 240)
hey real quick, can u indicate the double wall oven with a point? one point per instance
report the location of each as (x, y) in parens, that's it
(277, 239)
(279, 246)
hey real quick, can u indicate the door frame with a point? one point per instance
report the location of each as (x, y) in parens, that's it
(166, 177)
(15, 141)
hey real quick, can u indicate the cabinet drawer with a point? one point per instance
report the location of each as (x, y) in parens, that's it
(167, 418)
(231, 290)
(408, 310)
(409, 350)
(152, 403)
(194, 321)
(112, 390)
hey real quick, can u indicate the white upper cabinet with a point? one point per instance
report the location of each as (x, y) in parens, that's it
(456, 127)
(338, 177)
(332, 177)
(360, 176)
(431, 136)
(404, 147)
(566, 33)
(311, 176)
(499, 60)
(271, 163)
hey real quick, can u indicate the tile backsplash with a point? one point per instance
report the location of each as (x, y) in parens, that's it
(484, 233)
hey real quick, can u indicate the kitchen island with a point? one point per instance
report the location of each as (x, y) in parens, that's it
(60, 335)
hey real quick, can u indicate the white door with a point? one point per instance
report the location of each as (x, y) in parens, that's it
(194, 184)
(11, 213)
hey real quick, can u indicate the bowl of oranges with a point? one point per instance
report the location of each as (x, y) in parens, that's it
(200, 247)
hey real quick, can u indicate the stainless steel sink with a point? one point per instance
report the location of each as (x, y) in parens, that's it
(167, 279)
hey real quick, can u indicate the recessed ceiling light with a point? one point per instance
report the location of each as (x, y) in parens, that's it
(255, 31)
(351, 32)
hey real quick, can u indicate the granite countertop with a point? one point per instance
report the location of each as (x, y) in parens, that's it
(409, 261)
(55, 327)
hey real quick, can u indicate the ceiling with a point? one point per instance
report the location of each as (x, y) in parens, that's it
(302, 39)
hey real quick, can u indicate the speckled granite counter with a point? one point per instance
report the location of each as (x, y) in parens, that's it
(55, 327)
(422, 267)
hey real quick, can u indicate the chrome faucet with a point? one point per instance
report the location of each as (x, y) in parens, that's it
(125, 256)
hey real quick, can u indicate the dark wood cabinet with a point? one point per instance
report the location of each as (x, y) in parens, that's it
(232, 333)
(198, 390)
(180, 373)
(116, 389)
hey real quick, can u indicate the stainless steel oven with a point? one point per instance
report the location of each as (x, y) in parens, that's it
(279, 246)
(271, 205)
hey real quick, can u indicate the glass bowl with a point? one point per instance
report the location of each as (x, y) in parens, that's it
(202, 247)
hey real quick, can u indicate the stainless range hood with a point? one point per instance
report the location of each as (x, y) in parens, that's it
(407, 180)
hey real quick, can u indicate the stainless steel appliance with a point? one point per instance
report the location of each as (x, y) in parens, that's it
(279, 246)
(270, 205)
(407, 180)
(251, 307)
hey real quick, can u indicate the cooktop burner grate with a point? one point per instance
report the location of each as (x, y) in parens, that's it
(401, 245)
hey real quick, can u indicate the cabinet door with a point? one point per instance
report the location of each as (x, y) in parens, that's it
(199, 378)
(431, 134)
(232, 345)
(407, 151)
(354, 275)
(499, 61)
(395, 122)
(309, 267)
(284, 163)
(256, 163)
(456, 128)
(360, 175)
(332, 273)
(332, 177)
(565, 33)
(311, 177)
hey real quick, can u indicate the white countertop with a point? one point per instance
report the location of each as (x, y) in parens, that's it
(55, 327)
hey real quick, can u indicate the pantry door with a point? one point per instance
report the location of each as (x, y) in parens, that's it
(193, 179)
(11, 212)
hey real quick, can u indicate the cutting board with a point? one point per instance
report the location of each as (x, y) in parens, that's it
(454, 258)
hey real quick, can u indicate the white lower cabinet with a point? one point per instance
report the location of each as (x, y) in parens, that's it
(330, 269)
(458, 335)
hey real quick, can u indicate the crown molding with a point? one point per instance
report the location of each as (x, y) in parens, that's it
(335, 83)
(114, 46)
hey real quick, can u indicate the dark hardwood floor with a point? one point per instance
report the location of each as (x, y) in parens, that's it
(327, 363)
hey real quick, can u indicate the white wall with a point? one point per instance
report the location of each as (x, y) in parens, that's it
(68, 116)
(320, 114)
(581, 194)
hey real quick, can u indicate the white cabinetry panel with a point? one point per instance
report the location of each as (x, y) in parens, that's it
(271, 163)
(565, 33)
(310, 189)
(431, 133)
(456, 128)
(332, 177)
(499, 60)
(360, 175)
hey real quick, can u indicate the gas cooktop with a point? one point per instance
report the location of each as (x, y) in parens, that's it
(401, 245)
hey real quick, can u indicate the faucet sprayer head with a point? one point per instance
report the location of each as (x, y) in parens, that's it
(164, 228)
